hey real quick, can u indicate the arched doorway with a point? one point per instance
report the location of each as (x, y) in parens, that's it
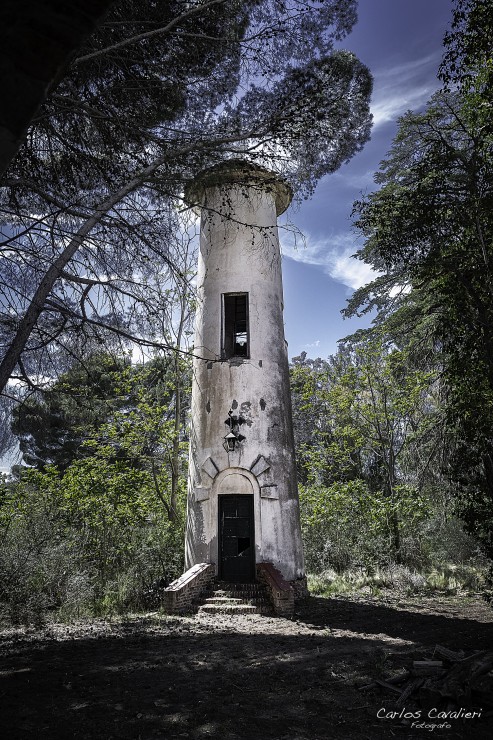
(236, 529)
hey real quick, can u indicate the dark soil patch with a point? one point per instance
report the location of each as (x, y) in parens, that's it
(235, 678)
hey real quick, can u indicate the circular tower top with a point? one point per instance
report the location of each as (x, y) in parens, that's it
(239, 171)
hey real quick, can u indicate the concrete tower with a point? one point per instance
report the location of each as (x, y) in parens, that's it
(242, 496)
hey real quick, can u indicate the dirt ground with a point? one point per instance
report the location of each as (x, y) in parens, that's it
(236, 678)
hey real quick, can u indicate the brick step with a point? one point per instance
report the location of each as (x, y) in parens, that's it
(239, 594)
(234, 598)
(259, 602)
(227, 586)
(236, 594)
(228, 609)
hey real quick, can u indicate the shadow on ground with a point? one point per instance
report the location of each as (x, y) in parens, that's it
(261, 679)
(466, 625)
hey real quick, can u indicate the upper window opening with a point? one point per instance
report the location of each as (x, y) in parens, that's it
(236, 339)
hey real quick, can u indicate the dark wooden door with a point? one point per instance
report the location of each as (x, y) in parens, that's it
(236, 539)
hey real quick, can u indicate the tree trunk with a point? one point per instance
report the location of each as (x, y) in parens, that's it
(175, 455)
(396, 538)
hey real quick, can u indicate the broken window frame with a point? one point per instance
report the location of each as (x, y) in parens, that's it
(230, 332)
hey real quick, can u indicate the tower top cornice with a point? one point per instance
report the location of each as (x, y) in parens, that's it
(241, 172)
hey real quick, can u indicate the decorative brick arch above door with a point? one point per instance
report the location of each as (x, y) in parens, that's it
(236, 480)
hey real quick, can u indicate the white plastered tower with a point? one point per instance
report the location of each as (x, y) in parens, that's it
(243, 504)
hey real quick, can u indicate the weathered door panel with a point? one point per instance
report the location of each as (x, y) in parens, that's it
(236, 539)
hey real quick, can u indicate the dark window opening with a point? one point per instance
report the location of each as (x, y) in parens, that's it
(243, 544)
(235, 338)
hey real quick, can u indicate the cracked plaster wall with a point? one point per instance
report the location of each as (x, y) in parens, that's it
(239, 252)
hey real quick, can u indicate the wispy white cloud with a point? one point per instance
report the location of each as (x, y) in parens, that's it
(350, 271)
(403, 87)
(357, 180)
(316, 343)
(333, 254)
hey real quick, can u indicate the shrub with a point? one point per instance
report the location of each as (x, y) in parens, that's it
(77, 546)
(346, 526)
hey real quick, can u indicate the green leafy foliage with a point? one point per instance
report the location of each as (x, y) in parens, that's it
(51, 427)
(429, 231)
(91, 541)
(346, 525)
(368, 428)
(94, 535)
(429, 227)
(416, 391)
(468, 61)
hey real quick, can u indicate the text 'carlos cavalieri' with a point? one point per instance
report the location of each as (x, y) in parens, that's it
(432, 714)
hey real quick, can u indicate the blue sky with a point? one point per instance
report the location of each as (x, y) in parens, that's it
(401, 42)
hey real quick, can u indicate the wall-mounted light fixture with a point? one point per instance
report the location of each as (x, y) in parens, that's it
(233, 438)
(230, 442)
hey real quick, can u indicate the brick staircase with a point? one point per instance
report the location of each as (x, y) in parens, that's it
(234, 598)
